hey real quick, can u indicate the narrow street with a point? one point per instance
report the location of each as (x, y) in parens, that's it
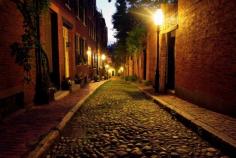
(119, 121)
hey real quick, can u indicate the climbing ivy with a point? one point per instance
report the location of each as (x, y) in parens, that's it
(23, 51)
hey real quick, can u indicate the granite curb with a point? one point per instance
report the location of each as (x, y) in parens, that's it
(204, 130)
(55, 133)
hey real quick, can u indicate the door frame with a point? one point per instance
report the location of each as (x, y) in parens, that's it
(66, 51)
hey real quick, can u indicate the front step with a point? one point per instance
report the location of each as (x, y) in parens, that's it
(61, 94)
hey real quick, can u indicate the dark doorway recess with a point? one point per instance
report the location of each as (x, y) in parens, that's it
(144, 64)
(171, 61)
(55, 74)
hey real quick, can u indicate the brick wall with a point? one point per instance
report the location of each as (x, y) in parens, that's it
(206, 54)
(141, 66)
(163, 61)
(64, 13)
(11, 74)
(151, 52)
(11, 31)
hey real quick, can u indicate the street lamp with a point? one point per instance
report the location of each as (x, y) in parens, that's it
(103, 57)
(106, 66)
(158, 18)
(121, 68)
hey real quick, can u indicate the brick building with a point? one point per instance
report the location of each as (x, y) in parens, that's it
(71, 38)
(197, 53)
(102, 39)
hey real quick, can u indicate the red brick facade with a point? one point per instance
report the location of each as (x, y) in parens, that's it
(11, 74)
(204, 53)
(61, 14)
(151, 52)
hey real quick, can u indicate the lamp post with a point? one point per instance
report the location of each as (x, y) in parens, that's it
(158, 20)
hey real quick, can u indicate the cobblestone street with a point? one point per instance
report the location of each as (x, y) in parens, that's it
(119, 121)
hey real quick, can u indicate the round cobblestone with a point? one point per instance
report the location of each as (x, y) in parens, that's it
(119, 121)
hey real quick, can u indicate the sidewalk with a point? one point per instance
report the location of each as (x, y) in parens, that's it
(21, 132)
(219, 128)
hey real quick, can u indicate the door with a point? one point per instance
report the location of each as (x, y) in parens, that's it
(171, 61)
(66, 51)
(55, 75)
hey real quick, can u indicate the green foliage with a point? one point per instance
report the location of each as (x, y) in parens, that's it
(136, 40)
(147, 82)
(131, 78)
(121, 23)
(129, 22)
(30, 10)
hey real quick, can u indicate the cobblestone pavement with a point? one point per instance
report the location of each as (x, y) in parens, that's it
(118, 121)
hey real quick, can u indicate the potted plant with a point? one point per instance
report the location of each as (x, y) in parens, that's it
(96, 78)
(66, 84)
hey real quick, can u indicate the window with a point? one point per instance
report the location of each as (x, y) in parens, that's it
(77, 51)
(81, 48)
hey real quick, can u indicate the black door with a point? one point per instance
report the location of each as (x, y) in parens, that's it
(171, 61)
(55, 75)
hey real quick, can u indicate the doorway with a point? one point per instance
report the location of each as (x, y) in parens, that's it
(66, 51)
(171, 61)
(55, 74)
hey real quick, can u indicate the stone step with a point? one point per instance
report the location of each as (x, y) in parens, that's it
(61, 94)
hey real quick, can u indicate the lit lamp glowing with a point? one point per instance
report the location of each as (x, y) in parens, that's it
(121, 69)
(103, 57)
(158, 18)
(107, 66)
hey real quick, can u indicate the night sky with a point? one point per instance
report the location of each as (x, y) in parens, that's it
(108, 10)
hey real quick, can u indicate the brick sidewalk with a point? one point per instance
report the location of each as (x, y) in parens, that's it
(21, 132)
(218, 125)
